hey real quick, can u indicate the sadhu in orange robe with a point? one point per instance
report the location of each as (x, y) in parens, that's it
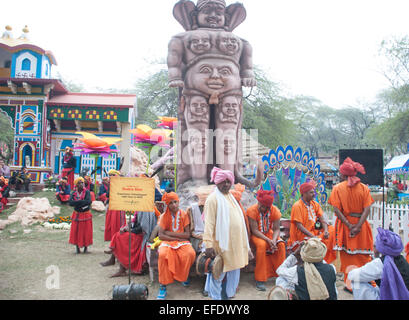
(266, 263)
(308, 216)
(351, 201)
(175, 257)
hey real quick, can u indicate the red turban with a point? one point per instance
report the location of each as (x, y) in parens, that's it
(307, 186)
(170, 196)
(350, 169)
(218, 175)
(265, 197)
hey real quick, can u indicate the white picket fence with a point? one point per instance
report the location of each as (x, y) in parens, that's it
(394, 216)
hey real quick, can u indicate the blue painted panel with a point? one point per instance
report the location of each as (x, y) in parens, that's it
(56, 164)
(66, 143)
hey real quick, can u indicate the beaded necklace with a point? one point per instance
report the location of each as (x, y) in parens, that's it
(67, 157)
(310, 209)
(175, 222)
(265, 221)
(78, 196)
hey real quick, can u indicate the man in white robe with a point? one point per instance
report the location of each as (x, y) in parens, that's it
(225, 234)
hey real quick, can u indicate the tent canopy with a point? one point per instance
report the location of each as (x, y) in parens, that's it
(398, 164)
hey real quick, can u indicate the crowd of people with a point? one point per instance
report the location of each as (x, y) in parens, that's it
(220, 229)
(227, 237)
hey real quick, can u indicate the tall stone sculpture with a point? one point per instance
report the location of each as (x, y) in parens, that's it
(210, 65)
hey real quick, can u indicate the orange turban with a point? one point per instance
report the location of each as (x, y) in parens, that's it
(4, 180)
(238, 191)
(350, 169)
(78, 180)
(169, 196)
(265, 197)
(307, 186)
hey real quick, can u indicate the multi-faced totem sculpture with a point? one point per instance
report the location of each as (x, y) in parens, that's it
(210, 65)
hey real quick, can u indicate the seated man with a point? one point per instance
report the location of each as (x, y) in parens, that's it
(390, 271)
(4, 192)
(120, 248)
(264, 220)
(307, 221)
(176, 254)
(23, 179)
(305, 273)
(63, 191)
(114, 219)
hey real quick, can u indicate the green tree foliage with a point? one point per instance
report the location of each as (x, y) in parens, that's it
(155, 98)
(323, 130)
(264, 109)
(392, 129)
(6, 138)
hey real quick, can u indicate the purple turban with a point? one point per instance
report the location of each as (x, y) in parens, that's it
(218, 175)
(392, 285)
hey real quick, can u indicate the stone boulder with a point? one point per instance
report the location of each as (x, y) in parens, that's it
(31, 210)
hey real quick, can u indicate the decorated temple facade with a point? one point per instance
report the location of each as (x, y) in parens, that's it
(45, 116)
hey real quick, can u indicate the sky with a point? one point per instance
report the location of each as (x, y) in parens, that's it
(327, 49)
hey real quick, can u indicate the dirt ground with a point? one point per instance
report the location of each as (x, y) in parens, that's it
(40, 264)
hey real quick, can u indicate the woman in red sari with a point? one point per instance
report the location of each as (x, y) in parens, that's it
(81, 233)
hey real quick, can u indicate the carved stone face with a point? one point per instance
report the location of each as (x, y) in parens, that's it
(212, 15)
(199, 42)
(213, 75)
(198, 106)
(230, 106)
(198, 143)
(228, 43)
(229, 145)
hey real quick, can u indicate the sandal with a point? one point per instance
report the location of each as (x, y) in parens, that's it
(260, 286)
(162, 293)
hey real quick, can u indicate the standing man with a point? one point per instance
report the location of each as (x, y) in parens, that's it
(69, 164)
(264, 219)
(351, 201)
(89, 186)
(225, 234)
(307, 221)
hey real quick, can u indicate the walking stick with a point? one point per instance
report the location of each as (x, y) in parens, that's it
(129, 263)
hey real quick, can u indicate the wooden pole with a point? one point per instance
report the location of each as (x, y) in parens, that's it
(129, 231)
